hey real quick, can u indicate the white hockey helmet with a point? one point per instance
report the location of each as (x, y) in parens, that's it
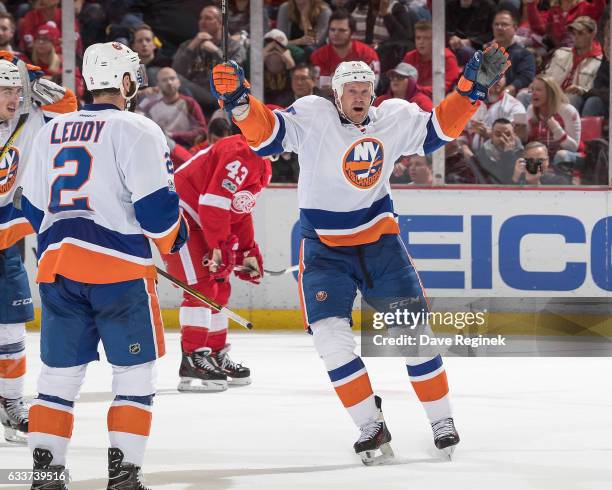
(9, 74)
(351, 71)
(104, 65)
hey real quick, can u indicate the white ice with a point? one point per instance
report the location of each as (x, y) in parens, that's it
(524, 423)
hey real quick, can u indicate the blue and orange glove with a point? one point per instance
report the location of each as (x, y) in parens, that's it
(229, 85)
(482, 71)
(252, 261)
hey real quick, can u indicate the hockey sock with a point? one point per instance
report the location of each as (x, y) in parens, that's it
(217, 336)
(129, 425)
(352, 384)
(195, 325)
(12, 359)
(428, 379)
(50, 426)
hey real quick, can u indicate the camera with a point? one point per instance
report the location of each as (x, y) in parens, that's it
(532, 165)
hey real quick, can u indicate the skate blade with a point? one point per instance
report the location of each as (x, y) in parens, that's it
(239, 381)
(15, 436)
(447, 452)
(199, 386)
(382, 455)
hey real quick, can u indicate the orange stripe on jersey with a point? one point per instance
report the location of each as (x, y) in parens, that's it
(354, 391)
(258, 126)
(156, 318)
(67, 104)
(133, 420)
(50, 421)
(164, 244)
(454, 112)
(12, 368)
(301, 288)
(432, 389)
(80, 264)
(11, 235)
(386, 226)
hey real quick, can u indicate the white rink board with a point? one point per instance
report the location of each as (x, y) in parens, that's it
(484, 243)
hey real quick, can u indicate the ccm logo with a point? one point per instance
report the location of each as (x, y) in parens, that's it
(22, 302)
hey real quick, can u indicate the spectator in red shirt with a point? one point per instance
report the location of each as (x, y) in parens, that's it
(45, 55)
(178, 115)
(420, 58)
(554, 22)
(44, 11)
(403, 85)
(342, 47)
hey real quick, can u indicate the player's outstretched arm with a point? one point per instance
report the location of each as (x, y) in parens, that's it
(482, 71)
(254, 119)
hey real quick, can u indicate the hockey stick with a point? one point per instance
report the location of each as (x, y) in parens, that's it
(225, 29)
(26, 95)
(207, 301)
(282, 272)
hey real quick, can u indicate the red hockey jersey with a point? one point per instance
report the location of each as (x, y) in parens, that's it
(218, 188)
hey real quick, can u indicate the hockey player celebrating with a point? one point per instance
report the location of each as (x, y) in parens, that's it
(350, 238)
(98, 185)
(217, 188)
(21, 121)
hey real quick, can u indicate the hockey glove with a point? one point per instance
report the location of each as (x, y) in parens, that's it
(229, 86)
(46, 92)
(482, 71)
(181, 237)
(223, 259)
(252, 261)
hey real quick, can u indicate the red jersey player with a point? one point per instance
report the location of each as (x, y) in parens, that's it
(217, 189)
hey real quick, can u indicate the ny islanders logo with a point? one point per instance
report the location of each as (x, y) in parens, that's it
(363, 162)
(8, 170)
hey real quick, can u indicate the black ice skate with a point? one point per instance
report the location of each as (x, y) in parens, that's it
(123, 476)
(236, 373)
(51, 477)
(373, 445)
(14, 418)
(446, 437)
(199, 372)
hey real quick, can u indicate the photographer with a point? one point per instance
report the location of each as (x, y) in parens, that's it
(534, 168)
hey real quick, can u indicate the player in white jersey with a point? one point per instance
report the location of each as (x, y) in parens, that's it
(99, 185)
(350, 236)
(46, 100)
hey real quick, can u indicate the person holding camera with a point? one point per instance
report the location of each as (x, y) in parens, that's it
(533, 168)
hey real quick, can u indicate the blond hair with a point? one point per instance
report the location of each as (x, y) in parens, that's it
(316, 6)
(555, 97)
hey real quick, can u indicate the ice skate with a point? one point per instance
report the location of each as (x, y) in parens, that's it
(14, 419)
(53, 477)
(236, 373)
(446, 437)
(200, 373)
(373, 444)
(123, 476)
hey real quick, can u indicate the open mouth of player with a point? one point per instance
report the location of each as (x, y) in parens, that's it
(358, 109)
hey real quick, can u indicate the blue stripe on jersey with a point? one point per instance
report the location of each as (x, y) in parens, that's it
(158, 211)
(425, 368)
(9, 212)
(432, 140)
(88, 231)
(339, 220)
(344, 371)
(31, 212)
(276, 145)
(14, 348)
(55, 399)
(143, 400)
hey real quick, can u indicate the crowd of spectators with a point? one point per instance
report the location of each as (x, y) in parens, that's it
(551, 107)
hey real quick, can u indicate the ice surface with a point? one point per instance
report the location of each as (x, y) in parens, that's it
(525, 424)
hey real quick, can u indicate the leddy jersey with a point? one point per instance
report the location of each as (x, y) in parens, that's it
(343, 189)
(98, 185)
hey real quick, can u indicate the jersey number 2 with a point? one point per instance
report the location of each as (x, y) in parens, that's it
(70, 182)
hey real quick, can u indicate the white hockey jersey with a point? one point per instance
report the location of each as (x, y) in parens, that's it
(343, 189)
(13, 224)
(99, 183)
